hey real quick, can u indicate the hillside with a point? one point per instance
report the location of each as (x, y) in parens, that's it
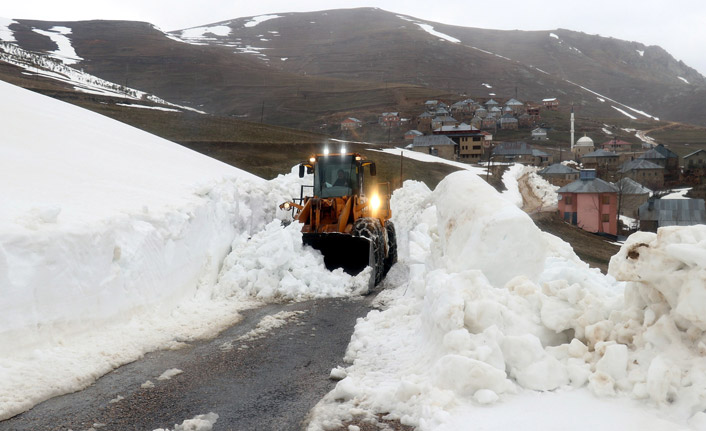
(306, 70)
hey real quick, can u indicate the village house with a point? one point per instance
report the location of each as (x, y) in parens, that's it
(435, 145)
(515, 105)
(559, 174)
(656, 213)
(476, 122)
(533, 111)
(603, 161)
(631, 195)
(669, 159)
(481, 112)
(695, 160)
(520, 152)
(539, 134)
(470, 141)
(424, 122)
(508, 122)
(443, 121)
(590, 203)
(489, 123)
(351, 123)
(491, 104)
(389, 119)
(644, 172)
(615, 145)
(411, 134)
(551, 103)
(525, 120)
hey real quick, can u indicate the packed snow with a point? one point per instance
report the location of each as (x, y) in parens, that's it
(553, 35)
(112, 245)
(115, 242)
(7, 35)
(157, 108)
(465, 338)
(197, 423)
(260, 19)
(428, 158)
(641, 52)
(65, 51)
(683, 79)
(430, 29)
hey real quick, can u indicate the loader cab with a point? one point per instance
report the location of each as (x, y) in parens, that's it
(338, 175)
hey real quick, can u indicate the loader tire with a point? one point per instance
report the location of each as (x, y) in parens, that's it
(372, 229)
(391, 257)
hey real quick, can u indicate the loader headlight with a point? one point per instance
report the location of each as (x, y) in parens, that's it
(312, 160)
(287, 206)
(375, 202)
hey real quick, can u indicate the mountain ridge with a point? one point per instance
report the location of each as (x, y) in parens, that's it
(304, 68)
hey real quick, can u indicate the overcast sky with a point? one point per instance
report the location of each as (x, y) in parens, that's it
(679, 26)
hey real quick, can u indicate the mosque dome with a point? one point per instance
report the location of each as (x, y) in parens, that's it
(584, 142)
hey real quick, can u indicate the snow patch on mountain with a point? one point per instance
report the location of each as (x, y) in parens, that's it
(65, 52)
(430, 29)
(260, 19)
(632, 117)
(199, 34)
(683, 79)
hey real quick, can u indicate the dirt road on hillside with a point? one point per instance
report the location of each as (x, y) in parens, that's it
(269, 382)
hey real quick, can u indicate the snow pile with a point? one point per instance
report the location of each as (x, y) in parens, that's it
(664, 318)
(111, 244)
(65, 51)
(492, 310)
(528, 190)
(198, 423)
(273, 265)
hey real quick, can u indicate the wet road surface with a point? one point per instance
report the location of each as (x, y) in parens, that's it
(270, 385)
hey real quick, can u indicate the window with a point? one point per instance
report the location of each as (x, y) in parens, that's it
(606, 200)
(567, 200)
(606, 218)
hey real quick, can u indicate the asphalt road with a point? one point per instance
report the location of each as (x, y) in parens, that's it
(270, 385)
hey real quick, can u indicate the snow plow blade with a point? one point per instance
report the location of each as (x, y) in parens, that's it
(352, 253)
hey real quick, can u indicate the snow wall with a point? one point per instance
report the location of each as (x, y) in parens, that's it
(489, 307)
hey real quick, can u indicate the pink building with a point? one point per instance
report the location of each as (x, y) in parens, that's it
(590, 203)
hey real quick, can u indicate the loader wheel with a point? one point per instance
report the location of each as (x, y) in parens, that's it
(391, 245)
(372, 229)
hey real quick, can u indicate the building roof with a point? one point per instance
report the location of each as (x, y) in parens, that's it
(432, 141)
(584, 141)
(539, 153)
(674, 212)
(595, 185)
(600, 153)
(508, 118)
(666, 152)
(638, 164)
(628, 186)
(694, 153)
(444, 118)
(463, 127)
(425, 115)
(351, 120)
(616, 142)
(414, 132)
(551, 99)
(514, 102)
(558, 169)
(653, 154)
(512, 149)
(390, 114)
(540, 130)
(491, 102)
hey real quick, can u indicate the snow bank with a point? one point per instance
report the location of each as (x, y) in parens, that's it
(542, 193)
(492, 310)
(112, 242)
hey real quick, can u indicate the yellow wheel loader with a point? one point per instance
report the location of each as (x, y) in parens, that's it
(344, 217)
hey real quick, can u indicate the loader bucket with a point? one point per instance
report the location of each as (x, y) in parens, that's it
(352, 253)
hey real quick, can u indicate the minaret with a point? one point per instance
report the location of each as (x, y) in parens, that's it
(572, 127)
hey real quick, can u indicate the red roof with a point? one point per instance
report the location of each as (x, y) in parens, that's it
(616, 142)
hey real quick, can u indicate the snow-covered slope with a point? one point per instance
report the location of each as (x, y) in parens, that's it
(100, 223)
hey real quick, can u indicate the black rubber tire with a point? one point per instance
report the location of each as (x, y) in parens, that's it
(371, 228)
(391, 257)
